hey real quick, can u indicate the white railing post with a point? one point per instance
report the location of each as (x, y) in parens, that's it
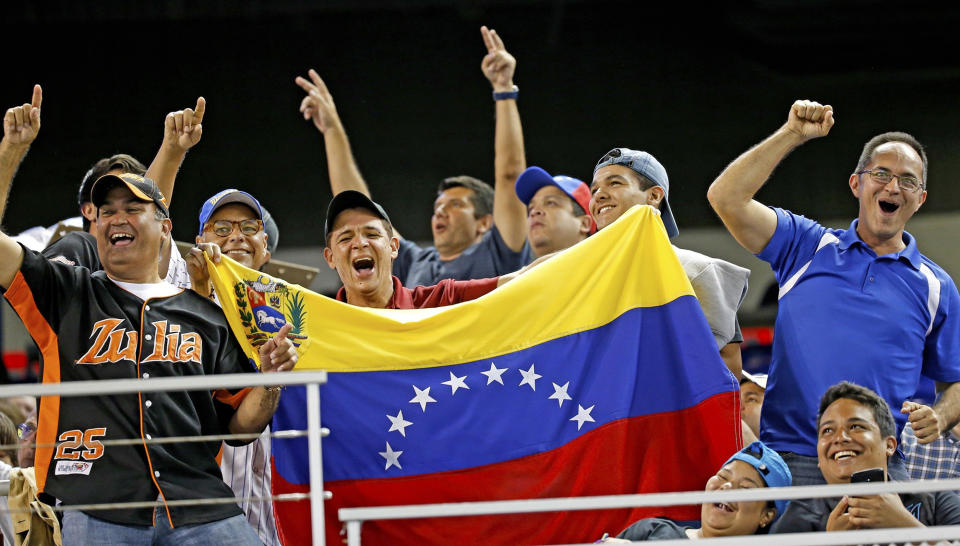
(353, 532)
(316, 464)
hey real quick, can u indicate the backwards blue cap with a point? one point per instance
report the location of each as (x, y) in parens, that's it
(769, 465)
(648, 167)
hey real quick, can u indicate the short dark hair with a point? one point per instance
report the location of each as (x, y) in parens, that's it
(645, 184)
(862, 395)
(893, 136)
(123, 162)
(482, 197)
(577, 209)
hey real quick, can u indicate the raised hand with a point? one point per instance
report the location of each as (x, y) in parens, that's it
(22, 123)
(809, 119)
(183, 128)
(498, 65)
(318, 104)
(925, 421)
(278, 354)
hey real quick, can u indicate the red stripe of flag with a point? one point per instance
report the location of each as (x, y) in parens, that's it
(673, 451)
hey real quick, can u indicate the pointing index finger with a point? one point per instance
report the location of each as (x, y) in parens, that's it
(199, 110)
(304, 84)
(284, 330)
(37, 96)
(486, 38)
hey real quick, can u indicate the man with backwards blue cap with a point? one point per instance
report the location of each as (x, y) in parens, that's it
(624, 178)
(233, 223)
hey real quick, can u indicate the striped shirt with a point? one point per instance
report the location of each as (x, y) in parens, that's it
(246, 469)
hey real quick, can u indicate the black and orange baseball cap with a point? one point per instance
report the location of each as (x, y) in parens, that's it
(142, 188)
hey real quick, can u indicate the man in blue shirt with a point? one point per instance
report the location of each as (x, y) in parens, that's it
(477, 232)
(860, 304)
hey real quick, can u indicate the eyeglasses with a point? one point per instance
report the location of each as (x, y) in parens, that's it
(25, 429)
(223, 228)
(905, 182)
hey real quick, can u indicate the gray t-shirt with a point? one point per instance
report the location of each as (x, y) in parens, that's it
(491, 257)
(720, 286)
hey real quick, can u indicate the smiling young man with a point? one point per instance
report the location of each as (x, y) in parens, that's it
(557, 216)
(624, 178)
(361, 247)
(861, 304)
(125, 322)
(856, 431)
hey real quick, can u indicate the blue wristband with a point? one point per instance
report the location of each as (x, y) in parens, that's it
(507, 95)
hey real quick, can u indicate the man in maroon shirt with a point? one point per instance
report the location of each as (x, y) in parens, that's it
(361, 246)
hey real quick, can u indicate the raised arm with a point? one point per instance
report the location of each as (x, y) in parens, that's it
(318, 107)
(181, 131)
(20, 127)
(509, 213)
(11, 257)
(751, 223)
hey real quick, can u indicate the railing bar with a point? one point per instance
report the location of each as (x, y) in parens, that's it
(286, 497)
(835, 538)
(640, 500)
(184, 383)
(175, 439)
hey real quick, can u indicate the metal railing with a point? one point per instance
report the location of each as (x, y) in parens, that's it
(311, 380)
(354, 517)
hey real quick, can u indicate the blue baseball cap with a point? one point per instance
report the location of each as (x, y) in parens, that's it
(648, 167)
(769, 465)
(533, 178)
(226, 197)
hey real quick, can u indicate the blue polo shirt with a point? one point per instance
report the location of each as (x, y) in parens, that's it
(847, 314)
(491, 257)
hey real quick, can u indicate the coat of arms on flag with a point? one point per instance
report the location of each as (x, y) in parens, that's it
(264, 305)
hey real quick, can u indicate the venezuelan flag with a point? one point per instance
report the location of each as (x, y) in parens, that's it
(593, 374)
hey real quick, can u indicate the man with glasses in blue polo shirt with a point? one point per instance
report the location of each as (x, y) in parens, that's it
(860, 304)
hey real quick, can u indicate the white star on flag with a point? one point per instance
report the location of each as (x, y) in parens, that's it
(456, 383)
(529, 378)
(392, 457)
(399, 424)
(494, 373)
(423, 397)
(582, 416)
(560, 393)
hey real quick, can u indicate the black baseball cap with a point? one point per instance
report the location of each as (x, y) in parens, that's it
(350, 199)
(142, 188)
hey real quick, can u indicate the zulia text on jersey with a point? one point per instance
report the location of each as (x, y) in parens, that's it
(114, 344)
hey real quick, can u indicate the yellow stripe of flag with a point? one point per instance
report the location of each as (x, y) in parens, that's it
(628, 265)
